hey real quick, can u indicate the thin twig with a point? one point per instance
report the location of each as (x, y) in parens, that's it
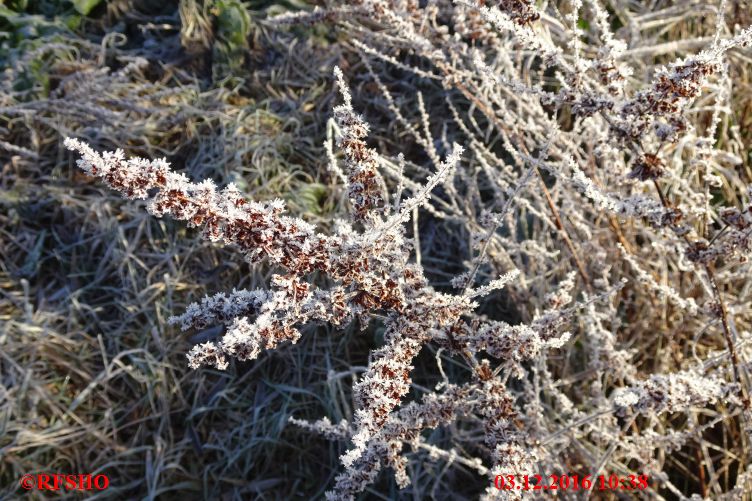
(554, 211)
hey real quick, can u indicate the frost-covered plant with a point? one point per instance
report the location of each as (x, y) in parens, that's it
(588, 187)
(372, 272)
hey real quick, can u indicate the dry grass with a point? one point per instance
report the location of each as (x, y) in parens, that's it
(93, 378)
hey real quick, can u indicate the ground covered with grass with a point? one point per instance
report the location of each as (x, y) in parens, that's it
(94, 380)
